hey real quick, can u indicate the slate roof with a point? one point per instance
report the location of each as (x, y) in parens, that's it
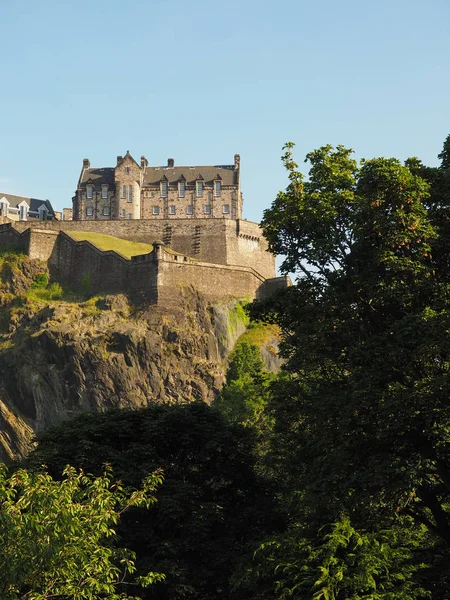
(227, 174)
(33, 203)
(98, 176)
(153, 175)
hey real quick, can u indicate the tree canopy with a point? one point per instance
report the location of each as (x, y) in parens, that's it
(211, 508)
(362, 423)
(57, 537)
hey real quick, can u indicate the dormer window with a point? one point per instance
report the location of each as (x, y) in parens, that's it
(23, 211)
(163, 189)
(124, 191)
(104, 192)
(181, 189)
(4, 204)
(43, 212)
(90, 191)
(199, 189)
(217, 188)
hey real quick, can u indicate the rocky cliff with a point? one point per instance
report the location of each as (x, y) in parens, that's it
(60, 355)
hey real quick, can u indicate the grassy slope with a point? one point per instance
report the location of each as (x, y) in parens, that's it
(109, 242)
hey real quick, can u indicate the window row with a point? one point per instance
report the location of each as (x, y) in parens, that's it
(127, 191)
(90, 211)
(190, 209)
(199, 188)
(156, 209)
(90, 191)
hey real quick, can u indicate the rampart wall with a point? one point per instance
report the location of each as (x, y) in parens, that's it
(218, 241)
(155, 277)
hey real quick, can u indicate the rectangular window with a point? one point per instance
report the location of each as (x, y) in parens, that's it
(164, 189)
(207, 209)
(130, 216)
(156, 210)
(226, 209)
(106, 211)
(217, 188)
(130, 193)
(199, 189)
(181, 189)
(127, 170)
(124, 213)
(89, 211)
(172, 209)
(89, 191)
(124, 191)
(104, 191)
(190, 209)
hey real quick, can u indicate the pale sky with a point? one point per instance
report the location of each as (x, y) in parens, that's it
(202, 80)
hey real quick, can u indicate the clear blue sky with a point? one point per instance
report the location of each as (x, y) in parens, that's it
(202, 80)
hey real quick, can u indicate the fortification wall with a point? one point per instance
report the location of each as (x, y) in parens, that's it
(215, 282)
(82, 266)
(154, 277)
(218, 241)
(11, 237)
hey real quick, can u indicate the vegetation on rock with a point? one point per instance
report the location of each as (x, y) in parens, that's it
(109, 242)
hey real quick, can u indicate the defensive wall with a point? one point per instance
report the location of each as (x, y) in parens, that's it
(218, 241)
(155, 277)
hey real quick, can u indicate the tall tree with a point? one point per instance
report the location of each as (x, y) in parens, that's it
(211, 507)
(363, 424)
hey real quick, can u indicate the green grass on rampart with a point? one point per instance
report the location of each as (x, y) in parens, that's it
(109, 242)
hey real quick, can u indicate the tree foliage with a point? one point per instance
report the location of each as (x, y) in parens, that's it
(362, 424)
(57, 536)
(245, 394)
(211, 507)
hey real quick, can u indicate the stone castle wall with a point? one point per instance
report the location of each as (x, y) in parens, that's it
(153, 277)
(218, 241)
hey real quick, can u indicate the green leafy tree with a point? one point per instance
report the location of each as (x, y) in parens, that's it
(57, 536)
(244, 397)
(362, 424)
(212, 507)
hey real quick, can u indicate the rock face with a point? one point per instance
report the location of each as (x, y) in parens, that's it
(60, 358)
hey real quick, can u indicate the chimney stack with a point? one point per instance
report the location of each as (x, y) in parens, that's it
(170, 163)
(237, 161)
(86, 163)
(144, 162)
(119, 159)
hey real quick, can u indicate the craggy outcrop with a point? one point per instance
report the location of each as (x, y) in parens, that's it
(59, 358)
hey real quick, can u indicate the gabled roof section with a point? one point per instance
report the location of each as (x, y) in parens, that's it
(98, 176)
(128, 155)
(33, 203)
(227, 173)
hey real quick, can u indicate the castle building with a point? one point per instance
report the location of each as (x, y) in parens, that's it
(140, 191)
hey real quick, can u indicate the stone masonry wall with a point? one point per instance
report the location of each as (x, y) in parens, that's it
(218, 241)
(82, 266)
(154, 277)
